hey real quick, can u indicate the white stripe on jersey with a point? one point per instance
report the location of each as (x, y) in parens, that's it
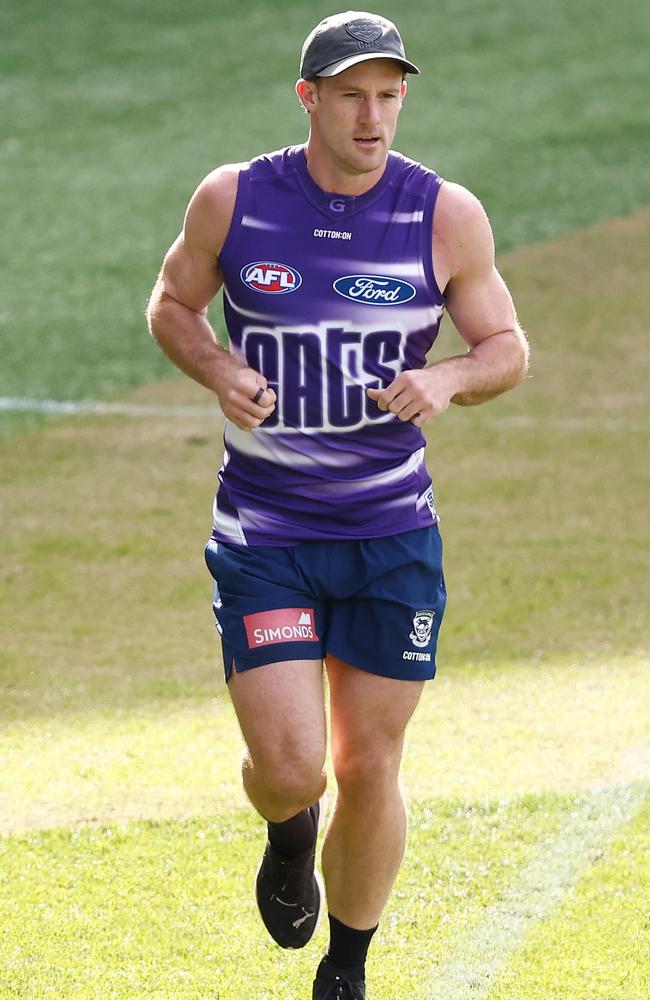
(253, 223)
(243, 312)
(262, 444)
(399, 217)
(412, 463)
(389, 269)
(228, 525)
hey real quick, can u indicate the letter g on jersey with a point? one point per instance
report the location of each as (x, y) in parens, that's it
(374, 289)
(271, 277)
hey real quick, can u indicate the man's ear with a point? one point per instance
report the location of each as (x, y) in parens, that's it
(307, 92)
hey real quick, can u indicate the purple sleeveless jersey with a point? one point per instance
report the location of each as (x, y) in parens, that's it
(327, 295)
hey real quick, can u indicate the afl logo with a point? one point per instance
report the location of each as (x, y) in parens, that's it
(269, 276)
(374, 289)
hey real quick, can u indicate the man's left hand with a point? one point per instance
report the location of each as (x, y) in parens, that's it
(416, 395)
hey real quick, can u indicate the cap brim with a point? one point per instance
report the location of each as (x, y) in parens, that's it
(343, 64)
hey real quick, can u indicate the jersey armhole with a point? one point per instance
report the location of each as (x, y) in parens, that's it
(243, 181)
(427, 234)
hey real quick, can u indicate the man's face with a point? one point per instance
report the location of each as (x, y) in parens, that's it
(354, 115)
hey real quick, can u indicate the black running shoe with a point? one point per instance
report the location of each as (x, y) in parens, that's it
(290, 894)
(337, 988)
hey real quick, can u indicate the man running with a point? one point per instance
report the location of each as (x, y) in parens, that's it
(337, 259)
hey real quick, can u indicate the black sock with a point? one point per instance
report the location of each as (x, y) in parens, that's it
(294, 836)
(347, 952)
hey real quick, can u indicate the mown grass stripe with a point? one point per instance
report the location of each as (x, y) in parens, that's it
(93, 407)
(479, 957)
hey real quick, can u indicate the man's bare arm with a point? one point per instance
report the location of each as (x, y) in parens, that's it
(479, 303)
(187, 283)
(482, 311)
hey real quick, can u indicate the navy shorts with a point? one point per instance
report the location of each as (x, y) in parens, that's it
(377, 604)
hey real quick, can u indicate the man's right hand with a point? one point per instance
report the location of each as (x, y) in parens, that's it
(237, 398)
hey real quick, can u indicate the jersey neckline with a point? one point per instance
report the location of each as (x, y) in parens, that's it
(339, 206)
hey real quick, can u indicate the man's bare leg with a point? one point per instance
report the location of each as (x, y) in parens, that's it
(282, 716)
(365, 841)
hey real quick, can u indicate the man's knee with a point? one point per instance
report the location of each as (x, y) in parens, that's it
(292, 775)
(362, 772)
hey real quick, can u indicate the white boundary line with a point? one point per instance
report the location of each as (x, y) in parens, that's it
(480, 956)
(72, 407)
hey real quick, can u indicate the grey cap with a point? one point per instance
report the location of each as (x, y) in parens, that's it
(343, 40)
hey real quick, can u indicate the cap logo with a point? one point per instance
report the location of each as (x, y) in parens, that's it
(364, 31)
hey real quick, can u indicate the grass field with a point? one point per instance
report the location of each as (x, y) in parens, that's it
(113, 112)
(126, 846)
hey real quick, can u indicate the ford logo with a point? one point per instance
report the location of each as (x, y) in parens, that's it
(374, 289)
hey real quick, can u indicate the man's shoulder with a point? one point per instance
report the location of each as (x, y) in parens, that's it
(462, 235)
(212, 205)
(210, 211)
(457, 210)
(412, 172)
(459, 198)
(223, 180)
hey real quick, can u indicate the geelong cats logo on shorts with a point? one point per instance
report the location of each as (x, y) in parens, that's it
(374, 289)
(422, 628)
(270, 277)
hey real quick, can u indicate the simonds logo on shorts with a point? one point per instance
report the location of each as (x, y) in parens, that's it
(271, 277)
(284, 625)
